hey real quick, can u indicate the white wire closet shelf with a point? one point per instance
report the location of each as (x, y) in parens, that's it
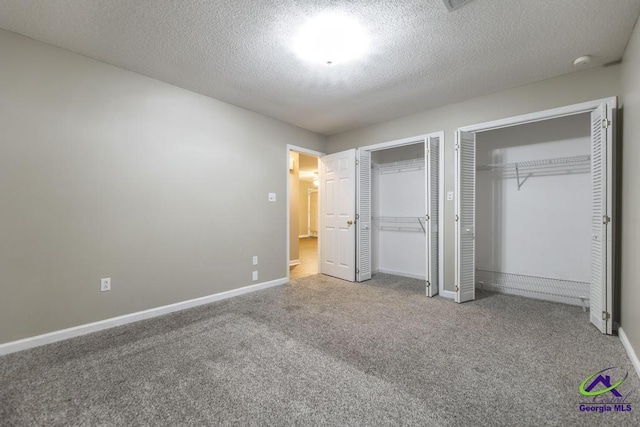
(557, 161)
(400, 166)
(401, 222)
(535, 164)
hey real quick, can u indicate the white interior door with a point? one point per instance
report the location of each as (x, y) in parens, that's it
(338, 215)
(432, 176)
(601, 295)
(465, 253)
(363, 218)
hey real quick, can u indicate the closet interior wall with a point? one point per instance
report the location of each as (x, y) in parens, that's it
(398, 211)
(533, 210)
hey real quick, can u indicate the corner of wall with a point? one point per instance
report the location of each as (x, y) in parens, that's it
(630, 197)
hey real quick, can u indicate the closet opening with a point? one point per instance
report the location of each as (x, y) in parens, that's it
(535, 208)
(398, 207)
(303, 213)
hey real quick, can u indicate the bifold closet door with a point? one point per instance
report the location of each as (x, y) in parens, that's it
(465, 253)
(363, 216)
(432, 187)
(338, 215)
(601, 291)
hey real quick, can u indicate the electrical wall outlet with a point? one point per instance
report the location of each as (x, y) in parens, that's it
(255, 276)
(272, 197)
(449, 195)
(105, 284)
(255, 260)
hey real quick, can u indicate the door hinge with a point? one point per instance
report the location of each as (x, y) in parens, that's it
(457, 147)
(606, 219)
(358, 270)
(606, 123)
(428, 283)
(357, 162)
(606, 315)
(427, 217)
(357, 216)
(457, 288)
(457, 218)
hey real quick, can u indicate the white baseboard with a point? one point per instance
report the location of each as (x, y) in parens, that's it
(630, 351)
(294, 262)
(51, 337)
(401, 273)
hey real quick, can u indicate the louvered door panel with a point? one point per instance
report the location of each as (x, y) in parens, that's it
(465, 216)
(433, 214)
(363, 268)
(597, 299)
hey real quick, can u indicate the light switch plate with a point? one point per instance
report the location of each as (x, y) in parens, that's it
(255, 260)
(254, 276)
(449, 195)
(272, 197)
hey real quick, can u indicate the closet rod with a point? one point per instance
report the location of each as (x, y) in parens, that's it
(538, 163)
(400, 166)
(517, 166)
(401, 221)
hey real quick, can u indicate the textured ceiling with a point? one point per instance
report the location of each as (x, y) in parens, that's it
(423, 56)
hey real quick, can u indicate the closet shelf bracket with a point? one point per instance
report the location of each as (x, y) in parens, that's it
(406, 223)
(529, 165)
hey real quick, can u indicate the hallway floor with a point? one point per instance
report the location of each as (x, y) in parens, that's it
(308, 259)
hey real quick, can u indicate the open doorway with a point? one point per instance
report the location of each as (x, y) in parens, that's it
(303, 214)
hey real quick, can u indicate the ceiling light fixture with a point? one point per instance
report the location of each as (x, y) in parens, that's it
(331, 39)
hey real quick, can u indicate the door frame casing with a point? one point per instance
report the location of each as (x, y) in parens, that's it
(571, 110)
(309, 152)
(417, 140)
(539, 116)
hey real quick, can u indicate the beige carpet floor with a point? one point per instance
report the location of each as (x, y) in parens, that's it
(321, 351)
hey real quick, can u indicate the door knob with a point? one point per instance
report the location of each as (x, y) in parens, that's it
(349, 222)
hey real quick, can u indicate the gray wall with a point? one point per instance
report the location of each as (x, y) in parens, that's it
(630, 249)
(106, 173)
(557, 92)
(398, 154)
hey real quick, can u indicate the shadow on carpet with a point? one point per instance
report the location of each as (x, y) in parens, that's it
(323, 351)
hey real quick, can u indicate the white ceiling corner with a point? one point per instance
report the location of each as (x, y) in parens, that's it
(423, 55)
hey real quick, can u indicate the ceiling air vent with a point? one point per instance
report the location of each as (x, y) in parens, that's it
(456, 4)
